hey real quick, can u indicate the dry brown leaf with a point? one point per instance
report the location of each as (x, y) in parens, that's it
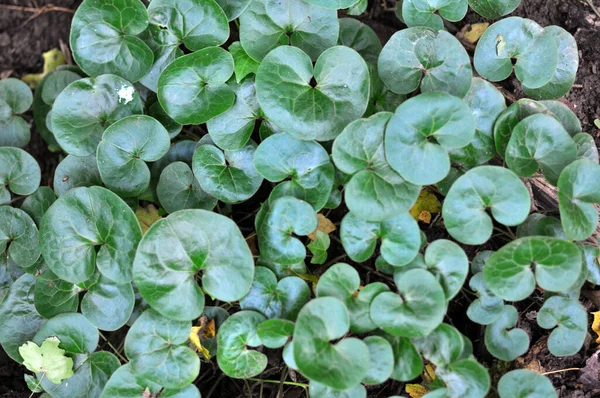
(325, 225)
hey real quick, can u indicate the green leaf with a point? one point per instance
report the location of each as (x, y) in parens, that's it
(541, 225)
(76, 171)
(569, 319)
(56, 83)
(442, 347)
(400, 238)
(229, 176)
(235, 335)
(103, 38)
(266, 25)
(47, 359)
(275, 333)
(313, 111)
(178, 189)
(494, 9)
(40, 113)
(332, 4)
(282, 156)
(503, 343)
(509, 118)
(565, 116)
(423, 12)
(84, 109)
(420, 56)
(525, 383)
(381, 358)
(15, 99)
(465, 378)
(540, 141)
(486, 103)
(196, 24)
(422, 131)
(586, 147)
(342, 365)
(533, 47)
(342, 281)
(19, 173)
(381, 98)
(20, 320)
(76, 334)
(192, 89)
(282, 270)
(33, 383)
(108, 305)
(157, 112)
(416, 310)
(274, 299)
(233, 8)
(243, 64)
(125, 148)
(479, 189)
(375, 191)
(286, 217)
(358, 8)
(53, 297)
(19, 236)
(408, 363)
(158, 353)
(165, 47)
(319, 247)
(318, 390)
(577, 192)
(591, 256)
(509, 273)
(177, 247)
(566, 70)
(88, 228)
(9, 273)
(487, 307)
(182, 151)
(218, 315)
(360, 37)
(38, 203)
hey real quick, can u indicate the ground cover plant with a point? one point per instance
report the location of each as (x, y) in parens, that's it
(307, 115)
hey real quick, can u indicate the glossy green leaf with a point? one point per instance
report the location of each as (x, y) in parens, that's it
(400, 238)
(192, 89)
(267, 24)
(76, 334)
(275, 333)
(88, 228)
(465, 378)
(586, 147)
(358, 8)
(15, 99)
(103, 38)
(445, 185)
(360, 37)
(84, 109)
(408, 363)
(165, 47)
(182, 151)
(9, 273)
(540, 141)
(235, 335)
(503, 343)
(416, 310)
(229, 176)
(375, 191)
(381, 99)
(33, 383)
(125, 148)
(108, 305)
(565, 116)
(578, 190)
(487, 307)
(509, 273)
(332, 4)
(381, 358)
(592, 261)
(435, 61)
(19, 236)
(156, 111)
(19, 173)
(233, 8)
(158, 353)
(56, 83)
(541, 225)
(425, 12)
(341, 365)
(442, 346)
(509, 118)
(307, 110)
(479, 261)
(76, 171)
(479, 189)
(318, 390)
(40, 113)
(177, 247)
(319, 247)
(422, 131)
(533, 47)
(38, 203)
(178, 189)
(282, 270)
(243, 64)
(569, 319)
(523, 383)
(53, 297)
(494, 9)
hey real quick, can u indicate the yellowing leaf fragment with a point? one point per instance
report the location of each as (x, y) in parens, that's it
(195, 340)
(52, 60)
(596, 325)
(146, 217)
(416, 390)
(426, 204)
(475, 32)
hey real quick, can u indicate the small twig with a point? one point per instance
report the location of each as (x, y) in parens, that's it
(114, 349)
(38, 11)
(559, 371)
(214, 387)
(287, 383)
(593, 7)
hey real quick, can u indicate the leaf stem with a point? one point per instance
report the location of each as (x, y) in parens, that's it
(559, 371)
(287, 383)
(121, 357)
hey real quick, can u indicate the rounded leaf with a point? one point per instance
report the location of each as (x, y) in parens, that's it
(502, 343)
(494, 9)
(108, 305)
(178, 189)
(448, 263)
(569, 319)
(76, 171)
(233, 8)
(15, 98)
(442, 347)
(36, 204)
(76, 334)
(586, 147)
(275, 333)
(465, 378)
(408, 363)
(53, 297)
(487, 307)
(510, 117)
(425, 12)
(381, 358)
(19, 236)
(360, 37)
(526, 384)
(19, 173)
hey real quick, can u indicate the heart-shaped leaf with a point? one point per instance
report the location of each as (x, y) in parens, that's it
(479, 189)
(308, 111)
(375, 191)
(465, 378)
(165, 47)
(487, 307)
(442, 347)
(108, 305)
(416, 310)
(157, 351)
(525, 383)
(381, 99)
(425, 12)
(381, 358)
(282, 270)
(192, 89)
(408, 363)
(564, 115)
(15, 99)
(540, 141)
(435, 61)
(533, 47)
(286, 217)
(578, 190)
(400, 238)
(84, 109)
(125, 148)
(509, 273)
(229, 176)
(234, 8)
(267, 24)
(104, 38)
(53, 297)
(235, 335)
(274, 333)
(243, 64)
(36, 204)
(19, 173)
(76, 334)
(502, 343)
(586, 147)
(40, 115)
(494, 9)
(570, 320)
(76, 171)
(178, 189)
(422, 131)
(274, 299)
(343, 282)
(360, 37)
(177, 247)
(181, 151)
(341, 365)
(19, 236)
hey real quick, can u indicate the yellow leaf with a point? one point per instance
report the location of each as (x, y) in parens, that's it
(427, 203)
(325, 225)
(147, 216)
(195, 340)
(429, 374)
(52, 60)
(416, 390)
(596, 325)
(474, 33)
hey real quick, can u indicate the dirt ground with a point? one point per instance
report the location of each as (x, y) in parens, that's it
(25, 35)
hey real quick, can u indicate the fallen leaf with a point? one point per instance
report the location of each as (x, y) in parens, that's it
(416, 390)
(147, 216)
(47, 359)
(429, 374)
(596, 325)
(52, 60)
(325, 225)
(475, 31)
(426, 204)
(590, 373)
